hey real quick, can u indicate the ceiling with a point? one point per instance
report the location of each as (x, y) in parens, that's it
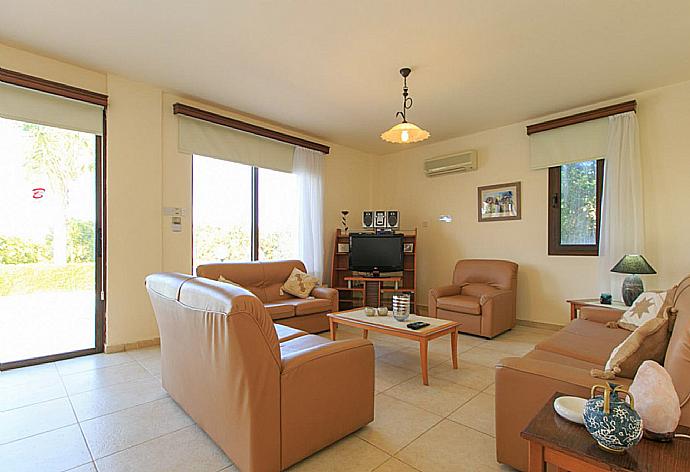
(330, 68)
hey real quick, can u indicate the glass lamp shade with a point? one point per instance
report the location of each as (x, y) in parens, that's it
(405, 133)
(633, 264)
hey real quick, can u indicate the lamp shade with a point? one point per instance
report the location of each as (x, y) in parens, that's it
(633, 264)
(405, 133)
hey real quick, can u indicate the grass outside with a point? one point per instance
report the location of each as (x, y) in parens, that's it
(16, 279)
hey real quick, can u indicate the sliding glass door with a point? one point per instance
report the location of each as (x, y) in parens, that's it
(50, 253)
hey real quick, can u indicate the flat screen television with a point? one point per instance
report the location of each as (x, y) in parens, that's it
(376, 253)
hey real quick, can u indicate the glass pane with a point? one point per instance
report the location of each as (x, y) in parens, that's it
(278, 214)
(579, 203)
(47, 243)
(222, 211)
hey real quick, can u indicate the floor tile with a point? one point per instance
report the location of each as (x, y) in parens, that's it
(470, 340)
(54, 451)
(151, 364)
(451, 446)
(96, 361)
(110, 399)
(382, 349)
(478, 413)
(34, 376)
(491, 389)
(395, 465)
(145, 353)
(350, 454)
(24, 395)
(189, 449)
(387, 376)
(90, 467)
(93, 379)
(112, 433)
(396, 424)
(440, 397)
(470, 375)
(485, 357)
(510, 347)
(35, 419)
(409, 358)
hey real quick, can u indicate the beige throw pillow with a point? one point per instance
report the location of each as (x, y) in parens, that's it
(647, 307)
(224, 280)
(648, 342)
(299, 284)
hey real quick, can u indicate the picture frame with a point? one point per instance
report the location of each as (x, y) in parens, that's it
(500, 202)
(408, 248)
(343, 247)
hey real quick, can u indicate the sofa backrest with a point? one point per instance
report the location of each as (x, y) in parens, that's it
(496, 273)
(677, 361)
(220, 360)
(263, 279)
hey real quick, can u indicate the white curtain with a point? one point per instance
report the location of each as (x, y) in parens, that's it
(622, 218)
(308, 166)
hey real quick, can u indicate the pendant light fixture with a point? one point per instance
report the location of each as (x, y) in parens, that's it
(405, 133)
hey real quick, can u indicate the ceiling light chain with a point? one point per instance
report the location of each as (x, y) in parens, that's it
(405, 132)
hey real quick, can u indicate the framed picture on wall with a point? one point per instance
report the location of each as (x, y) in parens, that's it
(343, 247)
(499, 202)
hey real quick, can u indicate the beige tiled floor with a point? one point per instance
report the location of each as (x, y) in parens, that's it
(109, 413)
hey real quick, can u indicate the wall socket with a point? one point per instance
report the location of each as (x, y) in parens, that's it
(173, 211)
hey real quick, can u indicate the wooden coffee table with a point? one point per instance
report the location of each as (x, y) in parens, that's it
(389, 325)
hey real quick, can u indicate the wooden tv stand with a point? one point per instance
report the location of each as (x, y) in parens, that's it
(357, 290)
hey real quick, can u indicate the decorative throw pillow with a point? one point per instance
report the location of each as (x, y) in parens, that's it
(648, 342)
(646, 307)
(299, 284)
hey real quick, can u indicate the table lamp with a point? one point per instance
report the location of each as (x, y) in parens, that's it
(633, 264)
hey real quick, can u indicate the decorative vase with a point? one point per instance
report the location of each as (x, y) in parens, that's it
(369, 311)
(382, 311)
(401, 306)
(344, 219)
(613, 423)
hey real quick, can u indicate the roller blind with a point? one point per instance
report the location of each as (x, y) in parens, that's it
(32, 106)
(575, 143)
(211, 140)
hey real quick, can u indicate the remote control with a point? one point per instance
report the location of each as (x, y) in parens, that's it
(417, 325)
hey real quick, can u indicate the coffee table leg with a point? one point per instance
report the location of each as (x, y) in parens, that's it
(423, 351)
(365, 333)
(454, 347)
(536, 457)
(334, 327)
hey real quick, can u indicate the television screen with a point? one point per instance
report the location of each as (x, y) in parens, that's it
(371, 252)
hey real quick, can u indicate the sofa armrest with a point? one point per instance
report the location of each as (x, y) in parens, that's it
(599, 314)
(326, 293)
(326, 393)
(498, 312)
(436, 293)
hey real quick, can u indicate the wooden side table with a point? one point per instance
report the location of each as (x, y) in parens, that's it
(570, 447)
(576, 304)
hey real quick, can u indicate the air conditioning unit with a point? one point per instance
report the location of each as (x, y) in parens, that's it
(458, 162)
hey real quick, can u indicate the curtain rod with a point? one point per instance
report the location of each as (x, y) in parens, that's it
(582, 117)
(56, 88)
(186, 110)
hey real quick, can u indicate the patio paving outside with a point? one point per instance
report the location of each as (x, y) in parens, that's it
(43, 323)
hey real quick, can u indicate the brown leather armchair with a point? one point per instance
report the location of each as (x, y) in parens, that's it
(482, 297)
(268, 395)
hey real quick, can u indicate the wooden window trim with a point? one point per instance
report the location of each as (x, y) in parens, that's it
(582, 117)
(199, 114)
(55, 88)
(554, 225)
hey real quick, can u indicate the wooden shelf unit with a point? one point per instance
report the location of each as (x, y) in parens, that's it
(352, 289)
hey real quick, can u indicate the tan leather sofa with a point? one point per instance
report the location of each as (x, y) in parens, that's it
(482, 297)
(563, 362)
(268, 395)
(264, 280)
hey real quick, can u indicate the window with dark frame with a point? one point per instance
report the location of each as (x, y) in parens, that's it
(575, 194)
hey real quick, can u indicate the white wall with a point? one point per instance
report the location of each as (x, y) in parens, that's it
(545, 282)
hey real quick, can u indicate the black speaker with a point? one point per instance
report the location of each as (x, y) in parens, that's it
(367, 219)
(380, 219)
(393, 219)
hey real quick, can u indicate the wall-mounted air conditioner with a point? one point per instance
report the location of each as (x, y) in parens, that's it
(458, 162)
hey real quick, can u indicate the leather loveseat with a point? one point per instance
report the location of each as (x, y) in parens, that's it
(268, 395)
(264, 280)
(563, 362)
(482, 297)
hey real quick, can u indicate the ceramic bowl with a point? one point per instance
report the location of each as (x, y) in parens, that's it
(570, 408)
(382, 311)
(369, 311)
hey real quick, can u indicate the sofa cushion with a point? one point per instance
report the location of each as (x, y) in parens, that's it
(585, 340)
(286, 333)
(301, 343)
(460, 303)
(308, 306)
(559, 359)
(279, 310)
